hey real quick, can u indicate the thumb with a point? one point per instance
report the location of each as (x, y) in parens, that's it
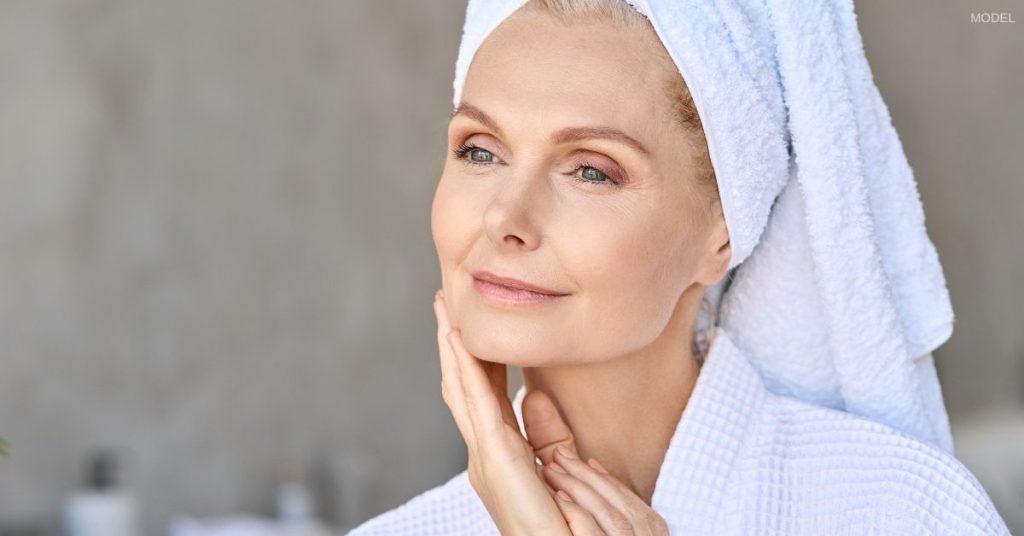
(545, 428)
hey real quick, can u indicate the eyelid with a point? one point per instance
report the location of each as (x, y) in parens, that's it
(471, 134)
(617, 176)
(603, 163)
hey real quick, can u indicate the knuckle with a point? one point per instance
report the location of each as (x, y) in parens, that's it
(619, 523)
(496, 450)
(580, 522)
(638, 511)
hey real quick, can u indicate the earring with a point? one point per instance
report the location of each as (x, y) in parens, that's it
(705, 323)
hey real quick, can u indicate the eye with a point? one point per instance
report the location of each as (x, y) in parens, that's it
(477, 155)
(593, 174)
(590, 174)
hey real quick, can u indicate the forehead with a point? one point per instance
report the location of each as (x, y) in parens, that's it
(589, 71)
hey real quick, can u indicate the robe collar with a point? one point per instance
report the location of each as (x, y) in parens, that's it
(708, 438)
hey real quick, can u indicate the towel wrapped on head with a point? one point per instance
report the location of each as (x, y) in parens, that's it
(835, 291)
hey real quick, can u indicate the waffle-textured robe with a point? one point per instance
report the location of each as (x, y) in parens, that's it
(746, 461)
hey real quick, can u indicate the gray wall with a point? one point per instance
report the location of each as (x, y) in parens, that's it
(217, 254)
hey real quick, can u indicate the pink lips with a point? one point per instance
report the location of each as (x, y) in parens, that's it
(509, 290)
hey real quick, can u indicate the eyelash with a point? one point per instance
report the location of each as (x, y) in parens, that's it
(462, 150)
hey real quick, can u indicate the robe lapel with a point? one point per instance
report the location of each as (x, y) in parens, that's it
(708, 439)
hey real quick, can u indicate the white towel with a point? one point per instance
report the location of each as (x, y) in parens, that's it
(836, 296)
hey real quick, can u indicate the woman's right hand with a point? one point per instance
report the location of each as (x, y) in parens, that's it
(502, 465)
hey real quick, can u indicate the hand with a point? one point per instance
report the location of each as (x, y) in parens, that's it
(592, 501)
(502, 466)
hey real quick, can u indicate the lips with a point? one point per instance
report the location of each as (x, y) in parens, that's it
(515, 284)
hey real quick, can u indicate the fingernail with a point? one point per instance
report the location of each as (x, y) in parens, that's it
(565, 452)
(563, 495)
(557, 468)
(597, 465)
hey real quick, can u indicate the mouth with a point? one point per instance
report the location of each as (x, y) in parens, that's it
(512, 291)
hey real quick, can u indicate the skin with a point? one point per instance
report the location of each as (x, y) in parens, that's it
(518, 493)
(634, 240)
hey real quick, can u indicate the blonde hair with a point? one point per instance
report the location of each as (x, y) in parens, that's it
(684, 112)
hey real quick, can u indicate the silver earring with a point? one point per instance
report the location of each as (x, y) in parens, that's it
(701, 338)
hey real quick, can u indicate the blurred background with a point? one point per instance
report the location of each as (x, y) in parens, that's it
(218, 269)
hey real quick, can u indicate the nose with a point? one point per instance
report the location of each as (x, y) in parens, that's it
(512, 218)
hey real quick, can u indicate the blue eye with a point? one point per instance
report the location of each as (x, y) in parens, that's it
(477, 155)
(585, 172)
(592, 174)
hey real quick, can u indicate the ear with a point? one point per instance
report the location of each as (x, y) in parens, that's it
(719, 251)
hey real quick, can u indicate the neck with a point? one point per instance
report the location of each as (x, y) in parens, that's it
(623, 411)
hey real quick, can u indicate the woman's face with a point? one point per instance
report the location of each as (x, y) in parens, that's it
(566, 171)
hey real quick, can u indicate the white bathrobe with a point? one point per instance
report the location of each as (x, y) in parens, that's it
(746, 461)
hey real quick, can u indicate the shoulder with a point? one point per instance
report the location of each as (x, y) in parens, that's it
(450, 508)
(845, 472)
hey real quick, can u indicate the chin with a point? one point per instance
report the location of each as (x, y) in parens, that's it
(509, 348)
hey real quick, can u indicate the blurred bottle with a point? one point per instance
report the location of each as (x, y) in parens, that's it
(295, 501)
(102, 507)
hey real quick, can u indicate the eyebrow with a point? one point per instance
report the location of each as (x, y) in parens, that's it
(565, 135)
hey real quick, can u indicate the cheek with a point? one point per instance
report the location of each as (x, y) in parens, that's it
(456, 218)
(454, 221)
(632, 270)
(628, 264)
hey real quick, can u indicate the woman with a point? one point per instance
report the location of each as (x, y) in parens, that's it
(592, 218)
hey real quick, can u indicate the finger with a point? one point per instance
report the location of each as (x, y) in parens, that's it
(598, 479)
(481, 402)
(580, 522)
(451, 384)
(608, 517)
(540, 475)
(497, 374)
(545, 428)
(449, 371)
